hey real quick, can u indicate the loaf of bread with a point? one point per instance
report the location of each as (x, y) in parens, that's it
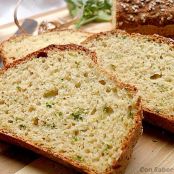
(146, 62)
(59, 103)
(144, 16)
(20, 46)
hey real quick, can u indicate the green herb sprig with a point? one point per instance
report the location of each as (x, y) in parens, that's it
(93, 11)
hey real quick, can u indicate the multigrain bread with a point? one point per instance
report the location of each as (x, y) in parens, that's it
(146, 62)
(60, 103)
(19, 46)
(144, 16)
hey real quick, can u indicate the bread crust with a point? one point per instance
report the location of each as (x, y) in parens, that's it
(130, 140)
(161, 120)
(145, 17)
(5, 58)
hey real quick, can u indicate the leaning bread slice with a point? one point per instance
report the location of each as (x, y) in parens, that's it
(20, 46)
(59, 103)
(146, 62)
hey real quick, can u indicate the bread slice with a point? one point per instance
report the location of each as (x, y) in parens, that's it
(19, 46)
(146, 62)
(59, 103)
(145, 17)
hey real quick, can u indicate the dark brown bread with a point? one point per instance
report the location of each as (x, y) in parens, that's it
(144, 16)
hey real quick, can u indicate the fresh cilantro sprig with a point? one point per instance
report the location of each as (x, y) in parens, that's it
(93, 11)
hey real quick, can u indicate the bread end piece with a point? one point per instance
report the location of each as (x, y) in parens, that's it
(17, 47)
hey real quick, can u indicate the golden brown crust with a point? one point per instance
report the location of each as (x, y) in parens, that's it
(155, 37)
(162, 120)
(151, 16)
(3, 55)
(167, 30)
(128, 143)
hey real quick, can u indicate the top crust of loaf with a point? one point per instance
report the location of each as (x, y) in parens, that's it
(156, 38)
(163, 120)
(8, 57)
(157, 16)
(127, 145)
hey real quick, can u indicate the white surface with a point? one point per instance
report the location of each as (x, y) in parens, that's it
(27, 8)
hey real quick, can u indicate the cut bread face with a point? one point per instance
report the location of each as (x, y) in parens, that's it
(147, 62)
(59, 103)
(19, 46)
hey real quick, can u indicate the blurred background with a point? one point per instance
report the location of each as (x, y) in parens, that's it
(27, 8)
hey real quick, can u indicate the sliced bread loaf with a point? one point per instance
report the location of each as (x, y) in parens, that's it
(144, 16)
(59, 103)
(146, 62)
(20, 46)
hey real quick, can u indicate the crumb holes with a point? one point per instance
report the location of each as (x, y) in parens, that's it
(104, 44)
(90, 65)
(102, 82)
(114, 90)
(42, 54)
(10, 121)
(108, 89)
(76, 132)
(108, 110)
(87, 151)
(35, 121)
(13, 58)
(113, 67)
(31, 109)
(168, 80)
(78, 85)
(155, 76)
(31, 73)
(50, 93)
(93, 111)
(85, 74)
(67, 77)
(30, 84)
(2, 102)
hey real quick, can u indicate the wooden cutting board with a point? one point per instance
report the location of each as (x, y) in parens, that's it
(153, 154)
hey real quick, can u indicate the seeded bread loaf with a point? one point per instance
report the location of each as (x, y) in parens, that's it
(20, 46)
(144, 16)
(146, 62)
(59, 103)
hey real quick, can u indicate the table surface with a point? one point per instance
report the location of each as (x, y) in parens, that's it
(153, 154)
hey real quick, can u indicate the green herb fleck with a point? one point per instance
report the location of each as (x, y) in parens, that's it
(60, 113)
(49, 104)
(75, 139)
(107, 147)
(22, 127)
(130, 112)
(52, 126)
(18, 88)
(19, 119)
(77, 115)
(79, 158)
